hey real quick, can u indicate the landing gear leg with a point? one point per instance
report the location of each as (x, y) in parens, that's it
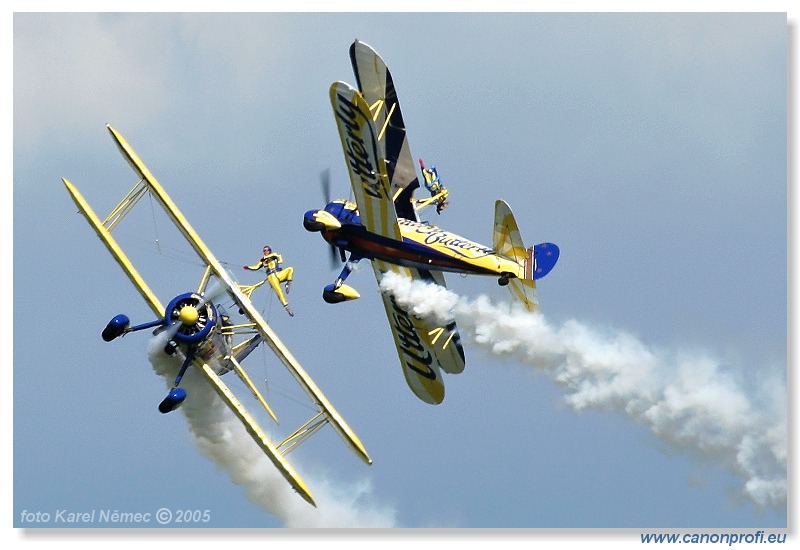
(176, 395)
(346, 270)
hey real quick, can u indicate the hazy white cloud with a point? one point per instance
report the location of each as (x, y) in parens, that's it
(72, 70)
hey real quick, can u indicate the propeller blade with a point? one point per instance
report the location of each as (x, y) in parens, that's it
(212, 295)
(209, 296)
(325, 183)
(334, 258)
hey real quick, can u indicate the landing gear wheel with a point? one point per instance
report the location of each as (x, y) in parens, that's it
(333, 297)
(313, 225)
(503, 280)
(172, 401)
(115, 327)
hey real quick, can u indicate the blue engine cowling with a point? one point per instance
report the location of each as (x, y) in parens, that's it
(197, 331)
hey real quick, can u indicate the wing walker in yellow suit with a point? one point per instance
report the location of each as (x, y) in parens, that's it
(276, 275)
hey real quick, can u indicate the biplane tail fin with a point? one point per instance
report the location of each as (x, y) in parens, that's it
(535, 261)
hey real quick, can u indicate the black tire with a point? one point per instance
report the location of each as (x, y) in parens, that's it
(333, 297)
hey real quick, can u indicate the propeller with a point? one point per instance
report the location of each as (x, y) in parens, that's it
(213, 294)
(325, 184)
(192, 317)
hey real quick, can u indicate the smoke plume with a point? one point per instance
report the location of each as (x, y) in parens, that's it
(220, 436)
(686, 400)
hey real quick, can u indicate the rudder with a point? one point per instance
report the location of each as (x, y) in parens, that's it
(536, 261)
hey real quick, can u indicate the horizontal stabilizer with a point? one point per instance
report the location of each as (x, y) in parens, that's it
(524, 290)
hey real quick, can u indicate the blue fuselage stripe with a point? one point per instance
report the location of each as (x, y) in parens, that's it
(357, 240)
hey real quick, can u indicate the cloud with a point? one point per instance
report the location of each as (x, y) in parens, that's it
(74, 70)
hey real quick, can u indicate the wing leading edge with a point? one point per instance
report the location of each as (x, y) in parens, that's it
(367, 168)
(377, 87)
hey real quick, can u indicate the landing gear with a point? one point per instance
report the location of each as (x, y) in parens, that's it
(311, 224)
(330, 295)
(189, 324)
(176, 395)
(339, 292)
(503, 280)
(335, 295)
(120, 325)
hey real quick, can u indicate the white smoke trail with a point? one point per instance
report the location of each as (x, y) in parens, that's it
(686, 400)
(220, 436)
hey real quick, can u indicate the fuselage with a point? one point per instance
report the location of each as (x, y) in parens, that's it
(423, 246)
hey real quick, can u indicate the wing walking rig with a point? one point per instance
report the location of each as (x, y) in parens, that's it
(382, 225)
(199, 329)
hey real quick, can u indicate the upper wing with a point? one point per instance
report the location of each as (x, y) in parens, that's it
(375, 84)
(364, 163)
(425, 348)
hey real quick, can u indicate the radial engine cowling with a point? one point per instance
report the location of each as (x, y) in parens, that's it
(192, 318)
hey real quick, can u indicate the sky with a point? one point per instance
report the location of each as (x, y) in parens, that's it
(650, 147)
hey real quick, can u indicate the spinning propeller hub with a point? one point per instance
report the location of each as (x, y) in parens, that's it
(189, 315)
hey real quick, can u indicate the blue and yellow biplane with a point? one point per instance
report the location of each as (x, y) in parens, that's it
(383, 226)
(198, 327)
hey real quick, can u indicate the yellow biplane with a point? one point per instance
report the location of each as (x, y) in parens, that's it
(196, 327)
(382, 225)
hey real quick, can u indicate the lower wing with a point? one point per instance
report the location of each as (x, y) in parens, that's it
(425, 348)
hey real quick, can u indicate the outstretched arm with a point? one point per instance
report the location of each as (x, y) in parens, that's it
(255, 267)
